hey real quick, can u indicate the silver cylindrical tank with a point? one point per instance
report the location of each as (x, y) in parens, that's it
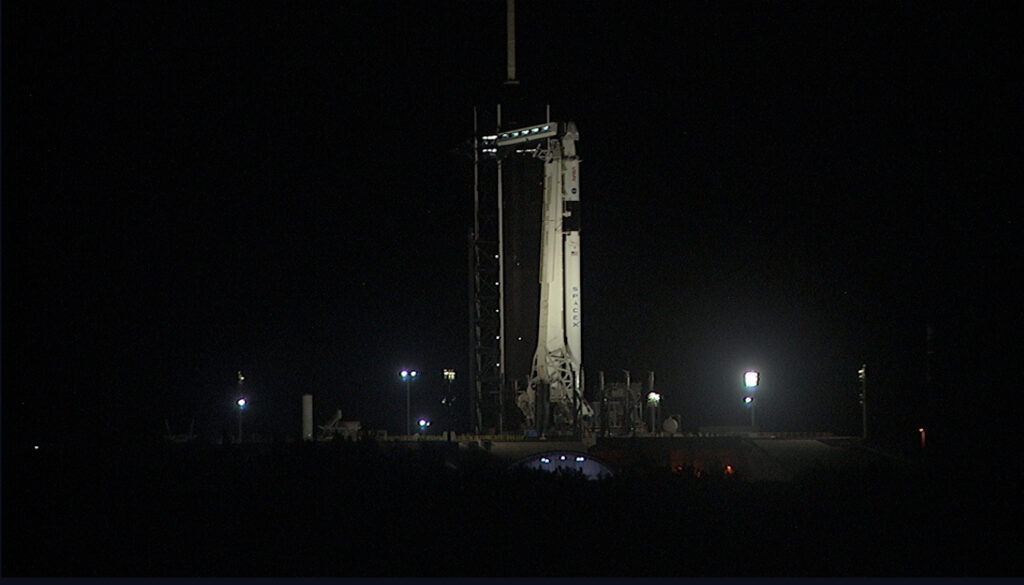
(307, 417)
(670, 425)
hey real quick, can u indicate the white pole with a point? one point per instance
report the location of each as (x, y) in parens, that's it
(501, 294)
(307, 417)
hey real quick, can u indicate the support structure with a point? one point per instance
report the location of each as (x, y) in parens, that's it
(486, 309)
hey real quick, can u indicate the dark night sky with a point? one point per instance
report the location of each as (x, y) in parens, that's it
(194, 188)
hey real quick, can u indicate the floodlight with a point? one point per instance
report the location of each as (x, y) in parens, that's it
(750, 379)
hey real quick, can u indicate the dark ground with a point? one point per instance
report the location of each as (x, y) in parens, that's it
(340, 510)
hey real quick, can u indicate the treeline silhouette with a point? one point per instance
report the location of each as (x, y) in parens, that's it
(365, 509)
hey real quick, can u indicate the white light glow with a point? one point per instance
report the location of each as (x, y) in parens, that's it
(750, 379)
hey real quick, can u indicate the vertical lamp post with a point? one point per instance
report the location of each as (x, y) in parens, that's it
(750, 381)
(241, 406)
(407, 376)
(240, 403)
(862, 375)
(449, 399)
(653, 400)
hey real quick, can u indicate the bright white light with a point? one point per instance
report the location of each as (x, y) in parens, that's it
(525, 134)
(241, 403)
(750, 379)
(579, 459)
(748, 400)
(545, 460)
(654, 397)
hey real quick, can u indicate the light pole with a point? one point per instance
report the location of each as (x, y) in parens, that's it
(407, 376)
(653, 400)
(862, 375)
(449, 400)
(240, 403)
(241, 406)
(750, 381)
